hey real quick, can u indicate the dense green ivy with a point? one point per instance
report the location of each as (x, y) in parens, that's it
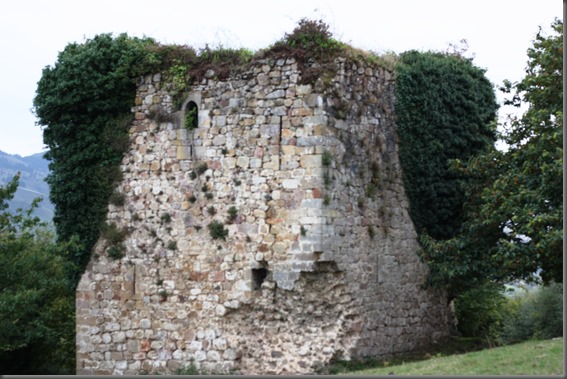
(83, 103)
(513, 215)
(445, 110)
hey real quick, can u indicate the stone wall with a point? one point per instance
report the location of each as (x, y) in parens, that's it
(319, 261)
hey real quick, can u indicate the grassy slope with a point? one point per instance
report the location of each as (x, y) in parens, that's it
(528, 358)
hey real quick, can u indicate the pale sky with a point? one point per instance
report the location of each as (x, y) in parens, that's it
(32, 32)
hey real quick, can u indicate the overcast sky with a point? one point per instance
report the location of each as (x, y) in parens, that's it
(32, 32)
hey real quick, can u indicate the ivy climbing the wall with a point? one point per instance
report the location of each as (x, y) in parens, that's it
(83, 104)
(446, 110)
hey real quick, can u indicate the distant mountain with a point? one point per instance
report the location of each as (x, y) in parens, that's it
(33, 169)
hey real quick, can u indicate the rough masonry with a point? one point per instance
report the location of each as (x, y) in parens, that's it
(319, 258)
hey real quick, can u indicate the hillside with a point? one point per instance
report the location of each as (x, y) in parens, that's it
(33, 169)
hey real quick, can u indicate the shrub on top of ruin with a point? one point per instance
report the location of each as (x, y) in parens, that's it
(312, 36)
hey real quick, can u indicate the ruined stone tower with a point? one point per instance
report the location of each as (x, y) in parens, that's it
(265, 230)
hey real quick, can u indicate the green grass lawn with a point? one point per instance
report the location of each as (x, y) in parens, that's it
(528, 358)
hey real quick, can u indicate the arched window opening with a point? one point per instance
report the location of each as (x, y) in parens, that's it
(191, 116)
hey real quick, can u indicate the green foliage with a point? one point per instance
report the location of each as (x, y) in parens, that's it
(117, 198)
(211, 210)
(538, 315)
(114, 237)
(371, 232)
(37, 305)
(313, 36)
(191, 118)
(217, 230)
(513, 215)
(166, 218)
(310, 41)
(83, 103)
(191, 369)
(172, 245)
(327, 158)
(112, 234)
(481, 312)
(232, 214)
(445, 109)
(115, 252)
(202, 168)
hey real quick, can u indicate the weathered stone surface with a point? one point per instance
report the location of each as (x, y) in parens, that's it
(282, 292)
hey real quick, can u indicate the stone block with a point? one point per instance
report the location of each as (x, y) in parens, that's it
(310, 161)
(302, 90)
(200, 152)
(243, 162)
(290, 183)
(183, 152)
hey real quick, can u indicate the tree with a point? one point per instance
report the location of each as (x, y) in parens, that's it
(445, 109)
(36, 295)
(513, 215)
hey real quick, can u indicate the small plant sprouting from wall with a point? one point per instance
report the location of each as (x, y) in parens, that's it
(115, 251)
(237, 182)
(303, 231)
(372, 190)
(371, 232)
(166, 218)
(163, 295)
(193, 175)
(115, 237)
(191, 116)
(211, 210)
(217, 230)
(202, 168)
(326, 200)
(327, 179)
(172, 245)
(327, 158)
(232, 214)
(209, 195)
